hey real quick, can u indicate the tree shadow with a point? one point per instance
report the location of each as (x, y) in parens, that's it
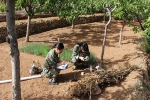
(92, 33)
(124, 60)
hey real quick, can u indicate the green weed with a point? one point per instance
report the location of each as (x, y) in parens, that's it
(42, 49)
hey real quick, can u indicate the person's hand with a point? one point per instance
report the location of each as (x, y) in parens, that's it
(86, 58)
(63, 62)
(81, 58)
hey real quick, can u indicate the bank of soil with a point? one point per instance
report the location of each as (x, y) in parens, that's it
(116, 56)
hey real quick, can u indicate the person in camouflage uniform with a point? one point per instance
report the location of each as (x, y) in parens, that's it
(50, 66)
(80, 56)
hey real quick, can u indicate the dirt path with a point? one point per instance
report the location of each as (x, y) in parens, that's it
(116, 56)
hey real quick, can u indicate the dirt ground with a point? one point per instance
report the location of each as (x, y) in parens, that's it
(116, 56)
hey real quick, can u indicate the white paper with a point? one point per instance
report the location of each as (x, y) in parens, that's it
(65, 66)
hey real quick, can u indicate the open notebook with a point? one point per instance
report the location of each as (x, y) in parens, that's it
(65, 66)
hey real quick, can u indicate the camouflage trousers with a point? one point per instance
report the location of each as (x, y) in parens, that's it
(51, 74)
(80, 64)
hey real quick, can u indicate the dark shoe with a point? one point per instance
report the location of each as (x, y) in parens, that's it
(52, 83)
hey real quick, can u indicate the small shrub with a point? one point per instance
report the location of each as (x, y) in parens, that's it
(146, 34)
(147, 48)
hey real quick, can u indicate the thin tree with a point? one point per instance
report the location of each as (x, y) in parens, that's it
(106, 26)
(31, 7)
(124, 22)
(14, 52)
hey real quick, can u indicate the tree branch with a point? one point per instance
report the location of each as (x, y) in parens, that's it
(139, 20)
(114, 8)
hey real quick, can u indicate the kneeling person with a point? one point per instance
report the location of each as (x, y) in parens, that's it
(80, 55)
(50, 67)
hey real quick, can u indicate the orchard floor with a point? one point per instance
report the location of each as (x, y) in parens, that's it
(116, 56)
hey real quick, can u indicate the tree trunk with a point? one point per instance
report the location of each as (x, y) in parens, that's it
(104, 17)
(28, 29)
(14, 52)
(120, 39)
(139, 20)
(105, 34)
(72, 27)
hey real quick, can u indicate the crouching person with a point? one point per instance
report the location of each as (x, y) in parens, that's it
(50, 67)
(80, 56)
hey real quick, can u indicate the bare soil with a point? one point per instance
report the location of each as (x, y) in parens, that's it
(116, 56)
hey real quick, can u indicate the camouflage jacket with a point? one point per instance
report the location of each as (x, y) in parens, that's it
(77, 52)
(51, 60)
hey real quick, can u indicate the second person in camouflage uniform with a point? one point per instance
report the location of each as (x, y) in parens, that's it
(50, 67)
(80, 55)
